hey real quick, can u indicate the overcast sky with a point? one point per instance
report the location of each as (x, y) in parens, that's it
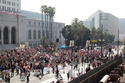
(66, 10)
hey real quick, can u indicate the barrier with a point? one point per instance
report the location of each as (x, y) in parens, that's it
(95, 75)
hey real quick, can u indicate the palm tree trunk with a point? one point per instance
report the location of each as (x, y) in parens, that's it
(45, 29)
(42, 29)
(47, 35)
(51, 28)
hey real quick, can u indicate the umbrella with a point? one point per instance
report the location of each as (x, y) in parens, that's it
(62, 46)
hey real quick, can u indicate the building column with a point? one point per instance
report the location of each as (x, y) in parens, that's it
(1, 37)
(9, 36)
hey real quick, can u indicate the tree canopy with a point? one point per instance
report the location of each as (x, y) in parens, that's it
(80, 34)
(77, 32)
(97, 34)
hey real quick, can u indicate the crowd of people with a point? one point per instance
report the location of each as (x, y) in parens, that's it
(24, 60)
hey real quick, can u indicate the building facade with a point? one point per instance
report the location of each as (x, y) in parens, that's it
(122, 28)
(57, 32)
(12, 29)
(107, 21)
(40, 29)
(10, 5)
(18, 29)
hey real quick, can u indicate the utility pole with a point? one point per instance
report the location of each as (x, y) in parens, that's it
(101, 26)
(101, 39)
(118, 43)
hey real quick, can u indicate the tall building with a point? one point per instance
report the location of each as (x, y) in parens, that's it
(103, 20)
(122, 28)
(10, 5)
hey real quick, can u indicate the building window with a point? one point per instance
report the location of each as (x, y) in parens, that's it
(39, 23)
(17, 10)
(34, 34)
(17, 5)
(29, 23)
(13, 9)
(8, 9)
(13, 4)
(34, 23)
(8, 3)
(42, 24)
(3, 8)
(29, 34)
(0, 8)
(39, 34)
(4, 1)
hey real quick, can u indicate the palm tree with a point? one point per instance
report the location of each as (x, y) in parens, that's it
(44, 12)
(51, 11)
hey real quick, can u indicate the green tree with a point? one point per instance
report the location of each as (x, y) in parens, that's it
(109, 38)
(98, 34)
(66, 32)
(49, 13)
(77, 32)
(94, 35)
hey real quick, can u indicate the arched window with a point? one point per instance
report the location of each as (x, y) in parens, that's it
(39, 34)
(43, 33)
(6, 35)
(0, 37)
(13, 35)
(34, 34)
(29, 34)
(0, 34)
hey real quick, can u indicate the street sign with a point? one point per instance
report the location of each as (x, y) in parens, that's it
(94, 41)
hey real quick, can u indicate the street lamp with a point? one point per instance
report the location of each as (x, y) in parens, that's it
(101, 26)
(118, 43)
(101, 39)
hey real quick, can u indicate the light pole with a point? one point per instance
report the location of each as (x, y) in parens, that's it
(118, 43)
(101, 26)
(101, 39)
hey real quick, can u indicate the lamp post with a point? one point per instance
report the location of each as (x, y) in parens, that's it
(101, 26)
(101, 39)
(118, 43)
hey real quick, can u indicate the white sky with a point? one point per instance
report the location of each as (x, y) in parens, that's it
(66, 10)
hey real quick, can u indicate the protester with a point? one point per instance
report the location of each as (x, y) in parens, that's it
(88, 68)
(68, 75)
(28, 75)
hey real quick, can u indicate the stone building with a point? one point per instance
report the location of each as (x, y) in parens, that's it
(17, 28)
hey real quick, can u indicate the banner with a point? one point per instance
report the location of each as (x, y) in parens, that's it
(22, 46)
(71, 43)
